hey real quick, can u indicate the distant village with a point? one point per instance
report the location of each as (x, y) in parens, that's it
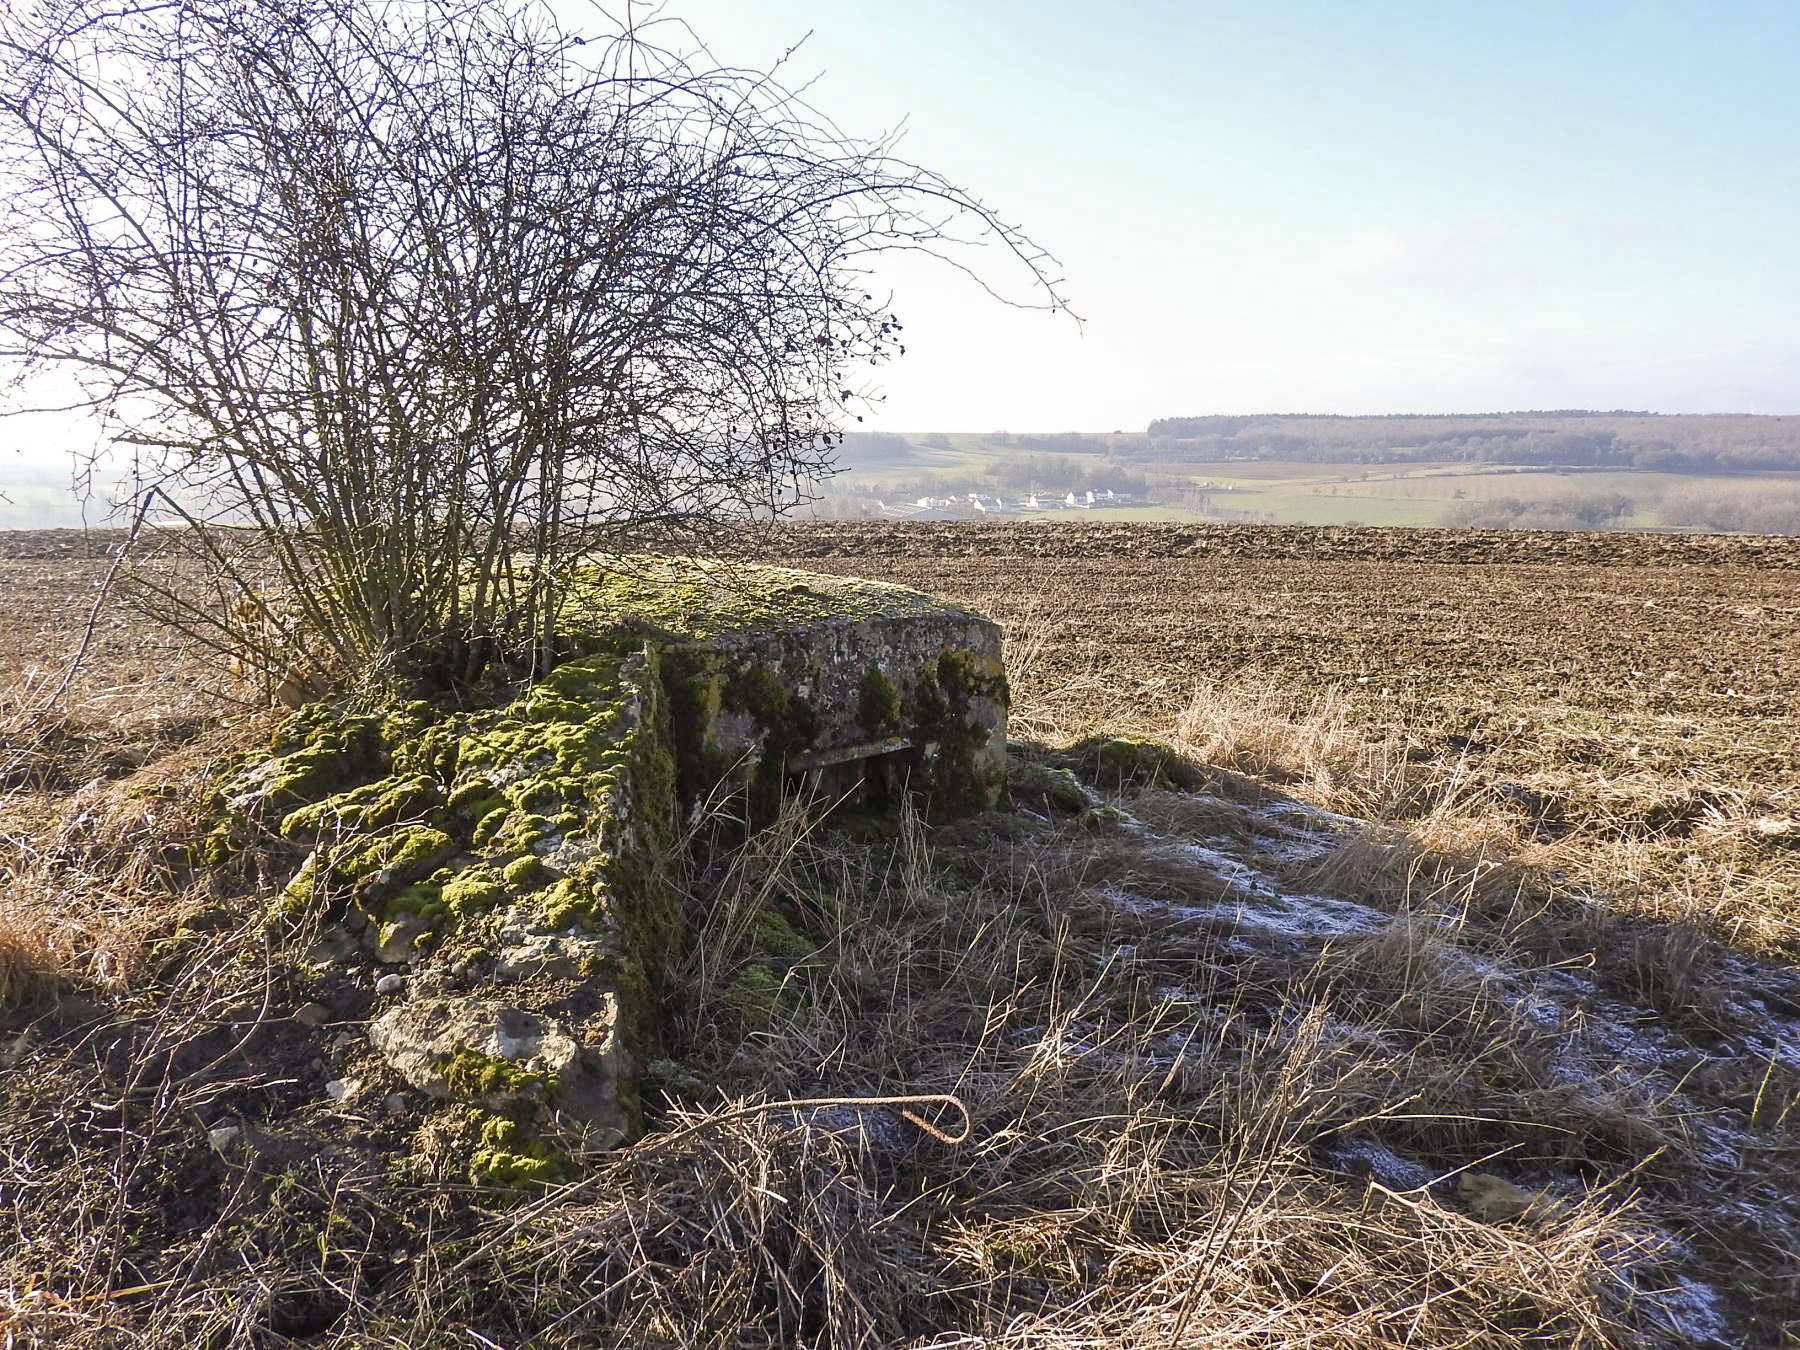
(959, 506)
(981, 505)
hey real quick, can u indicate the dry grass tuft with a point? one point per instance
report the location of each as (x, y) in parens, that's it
(90, 874)
(1311, 747)
(29, 970)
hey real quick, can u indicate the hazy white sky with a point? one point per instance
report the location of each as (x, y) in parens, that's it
(1307, 205)
(1287, 206)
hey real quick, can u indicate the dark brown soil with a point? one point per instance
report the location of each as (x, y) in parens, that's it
(1705, 625)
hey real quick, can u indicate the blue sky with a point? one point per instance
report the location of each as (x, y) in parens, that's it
(1334, 207)
(1321, 207)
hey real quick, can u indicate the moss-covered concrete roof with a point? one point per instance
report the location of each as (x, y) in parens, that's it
(700, 599)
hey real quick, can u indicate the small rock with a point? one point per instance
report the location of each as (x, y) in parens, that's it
(564, 856)
(419, 1039)
(333, 945)
(312, 1014)
(1494, 1199)
(224, 1138)
(392, 983)
(340, 1088)
(395, 1104)
(1781, 829)
(554, 956)
(400, 939)
(430, 980)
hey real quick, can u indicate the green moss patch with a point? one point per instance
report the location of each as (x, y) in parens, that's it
(389, 860)
(473, 891)
(878, 704)
(1118, 763)
(511, 1157)
(1047, 789)
(774, 935)
(497, 1084)
(682, 598)
(948, 765)
(751, 999)
(371, 806)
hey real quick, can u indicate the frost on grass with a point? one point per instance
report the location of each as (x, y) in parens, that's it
(1706, 1105)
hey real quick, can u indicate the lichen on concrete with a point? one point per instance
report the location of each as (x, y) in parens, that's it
(878, 703)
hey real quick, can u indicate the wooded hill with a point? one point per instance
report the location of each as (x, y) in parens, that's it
(1688, 443)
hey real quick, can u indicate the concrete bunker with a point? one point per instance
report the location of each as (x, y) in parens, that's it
(519, 858)
(778, 679)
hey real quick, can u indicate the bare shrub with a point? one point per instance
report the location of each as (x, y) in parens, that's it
(433, 300)
(1561, 511)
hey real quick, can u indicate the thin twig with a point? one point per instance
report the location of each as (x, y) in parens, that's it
(93, 619)
(659, 1144)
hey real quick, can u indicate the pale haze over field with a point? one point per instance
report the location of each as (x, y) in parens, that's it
(1315, 206)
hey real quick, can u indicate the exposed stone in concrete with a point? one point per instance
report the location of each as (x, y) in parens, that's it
(505, 1059)
(399, 940)
(529, 952)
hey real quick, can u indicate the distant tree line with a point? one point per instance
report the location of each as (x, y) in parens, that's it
(1761, 508)
(1063, 473)
(1757, 507)
(1564, 438)
(1575, 511)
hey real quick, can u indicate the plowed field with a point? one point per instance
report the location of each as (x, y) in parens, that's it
(1701, 626)
(1640, 688)
(1630, 701)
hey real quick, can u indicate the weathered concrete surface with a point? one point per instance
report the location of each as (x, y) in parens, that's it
(518, 858)
(789, 676)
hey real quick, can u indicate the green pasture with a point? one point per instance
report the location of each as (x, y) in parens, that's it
(1427, 494)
